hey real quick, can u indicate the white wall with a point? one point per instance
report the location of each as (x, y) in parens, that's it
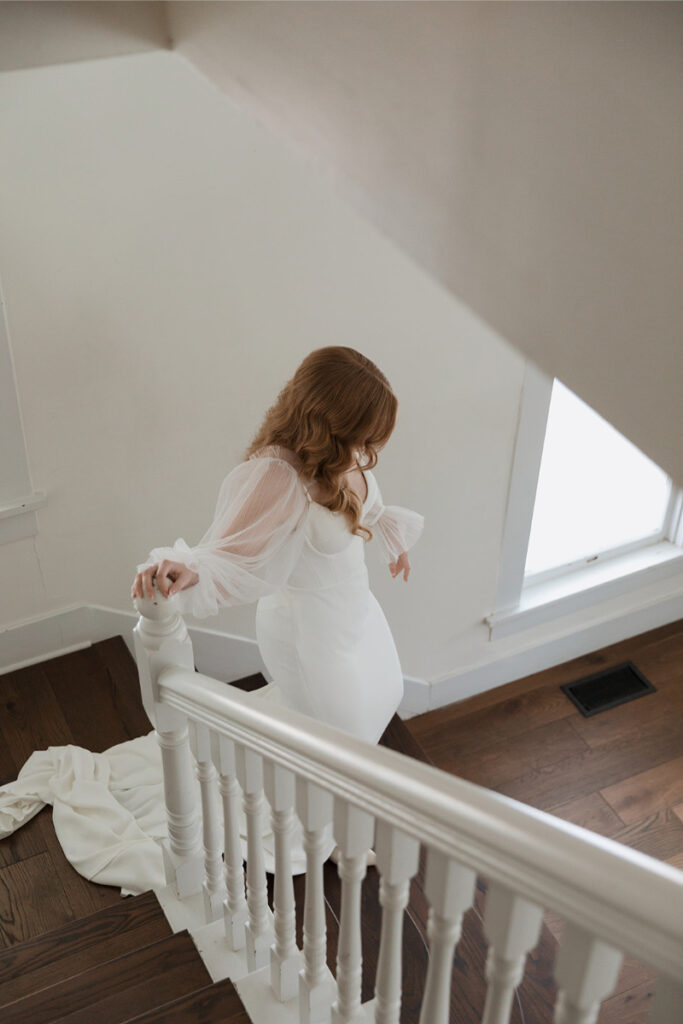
(529, 155)
(166, 264)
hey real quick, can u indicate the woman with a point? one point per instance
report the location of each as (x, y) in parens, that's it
(289, 531)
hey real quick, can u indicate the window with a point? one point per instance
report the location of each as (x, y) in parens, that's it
(597, 493)
(589, 515)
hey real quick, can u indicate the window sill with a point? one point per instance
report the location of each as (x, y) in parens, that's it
(551, 599)
(18, 519)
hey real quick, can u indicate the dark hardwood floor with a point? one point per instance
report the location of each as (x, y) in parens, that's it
(618, 773)
(89, 698)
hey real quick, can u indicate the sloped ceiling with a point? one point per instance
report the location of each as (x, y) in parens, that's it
(530, 156)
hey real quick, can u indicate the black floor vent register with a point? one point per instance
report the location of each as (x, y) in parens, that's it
(608, 689)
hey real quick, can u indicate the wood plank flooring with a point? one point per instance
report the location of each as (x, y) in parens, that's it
(618, 773)
(89, 698)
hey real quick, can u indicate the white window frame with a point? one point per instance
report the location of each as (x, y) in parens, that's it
(523, 603)
(18, 500)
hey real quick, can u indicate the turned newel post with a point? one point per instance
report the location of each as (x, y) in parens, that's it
(161, 639)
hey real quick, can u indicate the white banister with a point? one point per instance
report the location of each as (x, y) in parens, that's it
(617, 894)
(259, 927)
(285, 959)
(586, 971)
(214, 881)
(314, 807)
(449, 887)
(398, 857)
(235, 910)
(614, 901)
(512, 926)
(353, 831)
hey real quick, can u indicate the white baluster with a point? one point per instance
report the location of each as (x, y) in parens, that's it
(259, 927)
(285, 958)
(450, 887)
(586, 971)
(214, 883)
(512, 926)
(397, 861)
(235, 911)
(668, 1002)
(314, 807)
(353, 830)
(160, 638)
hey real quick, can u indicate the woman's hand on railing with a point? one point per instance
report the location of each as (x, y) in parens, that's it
(401, 565)
(170, 578)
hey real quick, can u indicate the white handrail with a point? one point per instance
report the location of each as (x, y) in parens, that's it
(630, 900)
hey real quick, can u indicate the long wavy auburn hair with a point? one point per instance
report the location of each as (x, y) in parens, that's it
(337, 404)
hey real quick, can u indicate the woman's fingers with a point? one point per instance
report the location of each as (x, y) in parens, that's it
(401, 565)
(147, 577)
(180, 581)
(170, 578)
(166, 574)
(143, 585)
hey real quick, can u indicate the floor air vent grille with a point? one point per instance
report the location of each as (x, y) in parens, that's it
(608, 689)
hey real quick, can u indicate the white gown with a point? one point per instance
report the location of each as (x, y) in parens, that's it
(321, 632)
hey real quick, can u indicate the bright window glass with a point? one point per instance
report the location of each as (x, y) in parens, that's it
(596, 490)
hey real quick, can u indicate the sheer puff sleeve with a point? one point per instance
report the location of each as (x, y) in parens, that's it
(253, 543)
(395, 527)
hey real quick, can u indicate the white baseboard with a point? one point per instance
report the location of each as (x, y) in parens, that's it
(46, 636)
(219, 655)
(555, 650)
(226, 657)
(416, 693)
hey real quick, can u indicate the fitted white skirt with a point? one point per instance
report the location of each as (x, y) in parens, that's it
(331, 655)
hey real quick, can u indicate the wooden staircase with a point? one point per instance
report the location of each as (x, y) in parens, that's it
(121, 964)
(536, 993)
(124, 963)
